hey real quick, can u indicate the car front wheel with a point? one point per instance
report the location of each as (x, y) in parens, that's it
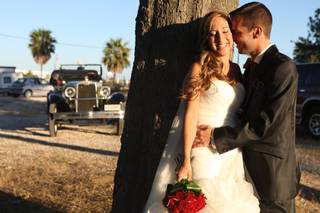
(27, 94)
(120, 125)
(313, 123)
(53, 126)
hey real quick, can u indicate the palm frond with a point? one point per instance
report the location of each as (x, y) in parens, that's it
(42, 45)
(116, 55)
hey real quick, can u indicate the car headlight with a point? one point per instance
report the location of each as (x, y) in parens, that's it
(70, 92)
(105, 91)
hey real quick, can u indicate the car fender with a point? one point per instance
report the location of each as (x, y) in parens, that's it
(308, 100)
(54, 97)
(304, 105)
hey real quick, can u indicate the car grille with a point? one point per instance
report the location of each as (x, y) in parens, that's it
(86, 98)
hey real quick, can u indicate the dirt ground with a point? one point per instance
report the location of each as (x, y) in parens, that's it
(74, 171)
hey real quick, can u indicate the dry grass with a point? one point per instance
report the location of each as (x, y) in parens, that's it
(74, 176)
(74, 171)
(309, 195)
(65, 177)
(26, 107)
(308, 153)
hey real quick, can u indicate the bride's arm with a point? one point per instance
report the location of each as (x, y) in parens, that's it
(189, 131)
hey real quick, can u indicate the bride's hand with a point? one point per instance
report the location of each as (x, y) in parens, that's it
(185, 171)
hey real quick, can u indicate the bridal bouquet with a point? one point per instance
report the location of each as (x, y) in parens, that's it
(184, 197)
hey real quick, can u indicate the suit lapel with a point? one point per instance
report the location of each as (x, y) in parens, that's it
(264, 64)
(252, 76)
(249, 80)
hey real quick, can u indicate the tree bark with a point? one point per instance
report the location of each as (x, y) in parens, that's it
(166, 35)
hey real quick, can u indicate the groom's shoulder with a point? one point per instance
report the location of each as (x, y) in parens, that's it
(284, 66)
(278, 57)
(285, 61)
(280, 65)
(274, 57)
(280, 60)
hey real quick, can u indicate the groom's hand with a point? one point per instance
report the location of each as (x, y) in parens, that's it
(203, 136)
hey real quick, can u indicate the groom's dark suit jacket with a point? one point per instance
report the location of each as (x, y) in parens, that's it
(267, 133)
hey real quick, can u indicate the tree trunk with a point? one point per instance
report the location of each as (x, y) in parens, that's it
(114, 78)
(166, 35)
(41, 66)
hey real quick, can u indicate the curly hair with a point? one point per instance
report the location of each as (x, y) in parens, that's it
(211, 64)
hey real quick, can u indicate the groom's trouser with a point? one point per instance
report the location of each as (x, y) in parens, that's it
(277, 206)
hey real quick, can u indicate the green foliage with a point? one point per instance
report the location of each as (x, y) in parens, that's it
(41, 45)
(28, 74)
(116, 55)
(308, 49)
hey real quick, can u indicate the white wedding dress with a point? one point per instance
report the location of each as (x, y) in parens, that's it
(221, 177)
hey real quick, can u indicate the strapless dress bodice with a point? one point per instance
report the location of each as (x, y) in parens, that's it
(219, 104)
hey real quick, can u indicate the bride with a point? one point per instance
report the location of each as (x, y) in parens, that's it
(211, 95)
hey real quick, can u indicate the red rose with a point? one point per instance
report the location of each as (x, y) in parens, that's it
(184, 198)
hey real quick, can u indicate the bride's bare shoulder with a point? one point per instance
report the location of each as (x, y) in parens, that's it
(195, 68)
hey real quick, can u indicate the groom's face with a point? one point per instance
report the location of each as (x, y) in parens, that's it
(242, 36)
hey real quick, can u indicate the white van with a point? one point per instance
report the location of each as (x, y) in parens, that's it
(7, 77)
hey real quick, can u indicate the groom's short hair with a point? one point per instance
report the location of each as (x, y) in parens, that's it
(254, 13)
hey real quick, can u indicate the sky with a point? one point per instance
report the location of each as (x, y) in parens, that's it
(82, 28)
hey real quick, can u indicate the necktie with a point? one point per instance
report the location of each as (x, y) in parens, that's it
(250, 64)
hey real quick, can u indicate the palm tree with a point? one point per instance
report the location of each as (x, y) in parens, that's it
(41, 46)
(116, 56)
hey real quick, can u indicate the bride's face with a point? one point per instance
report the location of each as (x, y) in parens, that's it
(220, 37)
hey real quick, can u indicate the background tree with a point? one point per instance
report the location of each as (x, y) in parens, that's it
(166, 35)
(116, 56)
(41, 46)
(28, 74)
(308, 49)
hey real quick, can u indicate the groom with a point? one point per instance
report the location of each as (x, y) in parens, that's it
(267, 132)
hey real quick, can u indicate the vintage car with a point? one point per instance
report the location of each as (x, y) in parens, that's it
(308, 101)
(81, 95)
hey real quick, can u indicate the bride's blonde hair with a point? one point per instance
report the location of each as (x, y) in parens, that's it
(211, 64)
